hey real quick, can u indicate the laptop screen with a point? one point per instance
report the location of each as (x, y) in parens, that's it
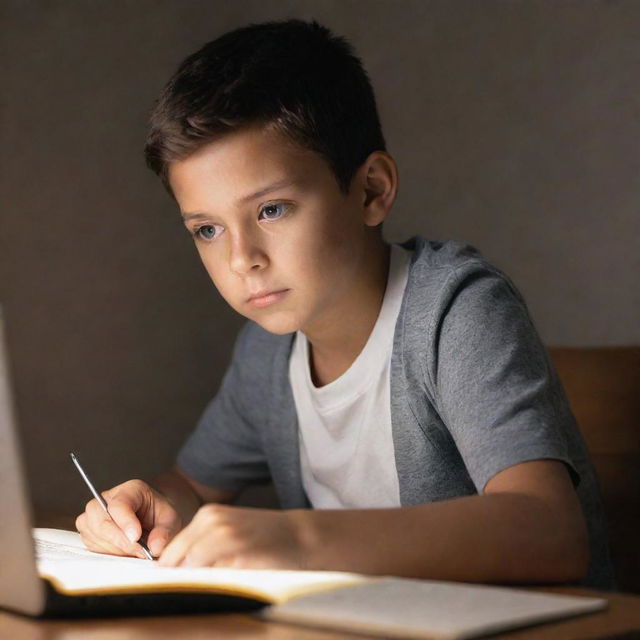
(20, 587)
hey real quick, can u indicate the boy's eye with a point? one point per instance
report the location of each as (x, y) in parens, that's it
(206, 232)
(273, 211)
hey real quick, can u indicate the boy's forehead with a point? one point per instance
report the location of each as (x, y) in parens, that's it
(244, 160)
(256, 150)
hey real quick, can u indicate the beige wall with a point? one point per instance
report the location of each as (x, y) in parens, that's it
(515, 125)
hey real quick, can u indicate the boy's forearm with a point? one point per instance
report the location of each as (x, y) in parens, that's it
(490, 538)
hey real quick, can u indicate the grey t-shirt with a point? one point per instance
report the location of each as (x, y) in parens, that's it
(472, 393)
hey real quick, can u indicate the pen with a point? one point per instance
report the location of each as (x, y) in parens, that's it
(101, 500)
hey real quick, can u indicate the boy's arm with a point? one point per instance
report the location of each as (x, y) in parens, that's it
(527, 527)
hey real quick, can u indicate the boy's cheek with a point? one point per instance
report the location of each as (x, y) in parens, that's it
(217, 280)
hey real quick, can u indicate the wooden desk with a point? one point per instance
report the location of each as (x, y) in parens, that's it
(622, 615)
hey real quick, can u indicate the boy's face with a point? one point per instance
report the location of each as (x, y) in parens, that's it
(269, 220)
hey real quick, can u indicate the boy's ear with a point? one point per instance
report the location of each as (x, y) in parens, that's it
(379, 186)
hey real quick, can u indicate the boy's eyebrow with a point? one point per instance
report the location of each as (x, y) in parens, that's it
(252, 196)
(272, 187)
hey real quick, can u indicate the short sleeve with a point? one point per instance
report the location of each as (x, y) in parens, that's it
(224, 450)
(496, 391)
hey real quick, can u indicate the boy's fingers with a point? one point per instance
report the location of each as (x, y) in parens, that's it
(81, 522)
(109, 533)
(123, 514)
(98, 546)
(94, 543)
(100, 526)
(175, 552)
(101, 543)
(195, 546)
(158, 539)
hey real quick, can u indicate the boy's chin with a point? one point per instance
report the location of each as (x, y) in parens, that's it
(275, 325)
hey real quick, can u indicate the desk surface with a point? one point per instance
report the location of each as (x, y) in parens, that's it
(623, 614)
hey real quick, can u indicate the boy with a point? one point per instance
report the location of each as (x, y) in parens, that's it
(399, 390)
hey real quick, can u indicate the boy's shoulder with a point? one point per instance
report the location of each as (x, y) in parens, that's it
(443, 256)
(438, 269)
(453, 280)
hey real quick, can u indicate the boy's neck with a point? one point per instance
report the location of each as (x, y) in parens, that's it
(334, 347)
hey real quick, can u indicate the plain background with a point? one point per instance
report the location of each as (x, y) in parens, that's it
(515, 125)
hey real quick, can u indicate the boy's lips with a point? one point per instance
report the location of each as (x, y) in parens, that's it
(264, 298)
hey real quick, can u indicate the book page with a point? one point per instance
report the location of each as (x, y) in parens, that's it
(64, 546)
(63, 559)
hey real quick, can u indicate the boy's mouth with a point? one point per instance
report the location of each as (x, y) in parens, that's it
(266, 298)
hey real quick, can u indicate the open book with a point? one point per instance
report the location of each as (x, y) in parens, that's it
(392, 607)
(73, 570)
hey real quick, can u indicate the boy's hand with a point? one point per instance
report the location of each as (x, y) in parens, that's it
(241, 538)
(136, 508)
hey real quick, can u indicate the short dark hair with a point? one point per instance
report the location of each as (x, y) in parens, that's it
(294, 76)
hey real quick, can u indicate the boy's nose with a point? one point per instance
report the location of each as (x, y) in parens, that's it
(246, 254)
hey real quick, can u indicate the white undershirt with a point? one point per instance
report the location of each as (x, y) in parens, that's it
(346, 445)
